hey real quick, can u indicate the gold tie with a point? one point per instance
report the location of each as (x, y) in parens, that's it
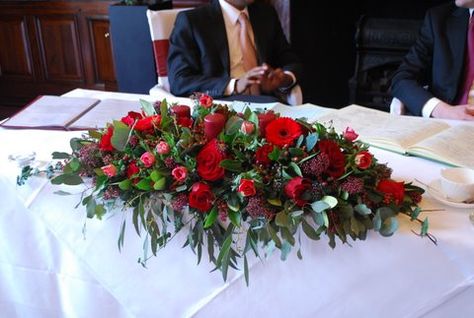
(249, 54)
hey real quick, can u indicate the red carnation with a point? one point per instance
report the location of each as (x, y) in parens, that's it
(132, 169)
(201, 197)
(337, 161)
(392, 190)
(282, 131)
(295, 189)
(208, 161)
(105, 143)
(264, 119)
(262, 154)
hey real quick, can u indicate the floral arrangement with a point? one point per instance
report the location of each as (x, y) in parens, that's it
(236, 182)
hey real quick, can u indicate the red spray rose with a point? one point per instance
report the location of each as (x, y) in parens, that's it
(296, 188)
(349, 134)
(179, 173)
(184, 121)
(262, 154)
(208, 161)
(247, 187)
(109, 170)
(392, 190)
(132, 169)
(282, 131)
(337, 161)
(105, 142)
(363, 160)
(205, 101)
(201, 197)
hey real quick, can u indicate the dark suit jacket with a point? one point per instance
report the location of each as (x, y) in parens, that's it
(198, 59)
(436, 60)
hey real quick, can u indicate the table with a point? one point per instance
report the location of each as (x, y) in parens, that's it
(49, 268)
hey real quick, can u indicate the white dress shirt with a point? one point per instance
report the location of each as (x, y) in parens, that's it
(433, 102)
(231, 20)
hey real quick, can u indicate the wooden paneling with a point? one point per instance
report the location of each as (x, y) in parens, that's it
(16, 60)
(59, 45)
(101, 50)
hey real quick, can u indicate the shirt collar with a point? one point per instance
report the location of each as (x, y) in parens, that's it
(231, 12)
(470, 11)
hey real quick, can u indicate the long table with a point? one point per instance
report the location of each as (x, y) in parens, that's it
(56, 263)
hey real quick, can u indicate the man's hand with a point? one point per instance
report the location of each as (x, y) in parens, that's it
(274, 79)
(460, 112)
(254, 76)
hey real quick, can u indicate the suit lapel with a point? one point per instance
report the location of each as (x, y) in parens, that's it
(218, 32)
(457, 25)
(258, 33)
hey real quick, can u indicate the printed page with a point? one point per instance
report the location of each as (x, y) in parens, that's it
(453, 146)
(53, 112)
(381, 129)
(105, 112)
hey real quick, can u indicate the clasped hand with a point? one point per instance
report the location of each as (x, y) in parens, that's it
(268, 79)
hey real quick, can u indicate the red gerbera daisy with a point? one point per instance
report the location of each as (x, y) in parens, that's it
(282, 131)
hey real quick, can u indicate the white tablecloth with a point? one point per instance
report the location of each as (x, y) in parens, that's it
(50, 268)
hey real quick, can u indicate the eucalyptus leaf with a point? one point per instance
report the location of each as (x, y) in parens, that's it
(275, 201)
(120, 136)
(147, 107)
(296, 169)
(330, 200)
(389, 226)
(68, 179)
(311, 141)
(285, 250)
(320, 206)
(309, 230)
(282, 219)
(60, 155)
(362, 209)
(424, 227)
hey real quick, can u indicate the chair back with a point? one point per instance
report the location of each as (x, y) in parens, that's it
(161, 24)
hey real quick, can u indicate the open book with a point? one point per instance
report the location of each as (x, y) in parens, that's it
(70, 113)
(308, 111)
(450, 143)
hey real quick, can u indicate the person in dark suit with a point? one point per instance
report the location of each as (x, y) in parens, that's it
(206, 54)
(430, 82)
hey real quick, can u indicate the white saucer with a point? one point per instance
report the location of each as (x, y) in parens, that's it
(434, 190)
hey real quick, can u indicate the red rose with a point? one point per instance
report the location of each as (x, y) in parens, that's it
(132, 169)
(205, 101)
(208, 161)
(296, 188)
(337, 161)
(349, 134)
(363, 160)
(262, 154)
(109, 170)
(148, 123)
(392, 190)
(179, 173)
(264, 119)
(247, 187)
(105, 142)
(148, 159)
(201, 197)
(282, 131)
(129, 120)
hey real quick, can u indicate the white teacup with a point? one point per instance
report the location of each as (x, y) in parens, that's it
(457, 184)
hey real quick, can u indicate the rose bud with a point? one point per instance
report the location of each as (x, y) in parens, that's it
(349, 134)
(147, 159)
(247, 127)
(109, 170)
(162, 148)
(363, 160)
